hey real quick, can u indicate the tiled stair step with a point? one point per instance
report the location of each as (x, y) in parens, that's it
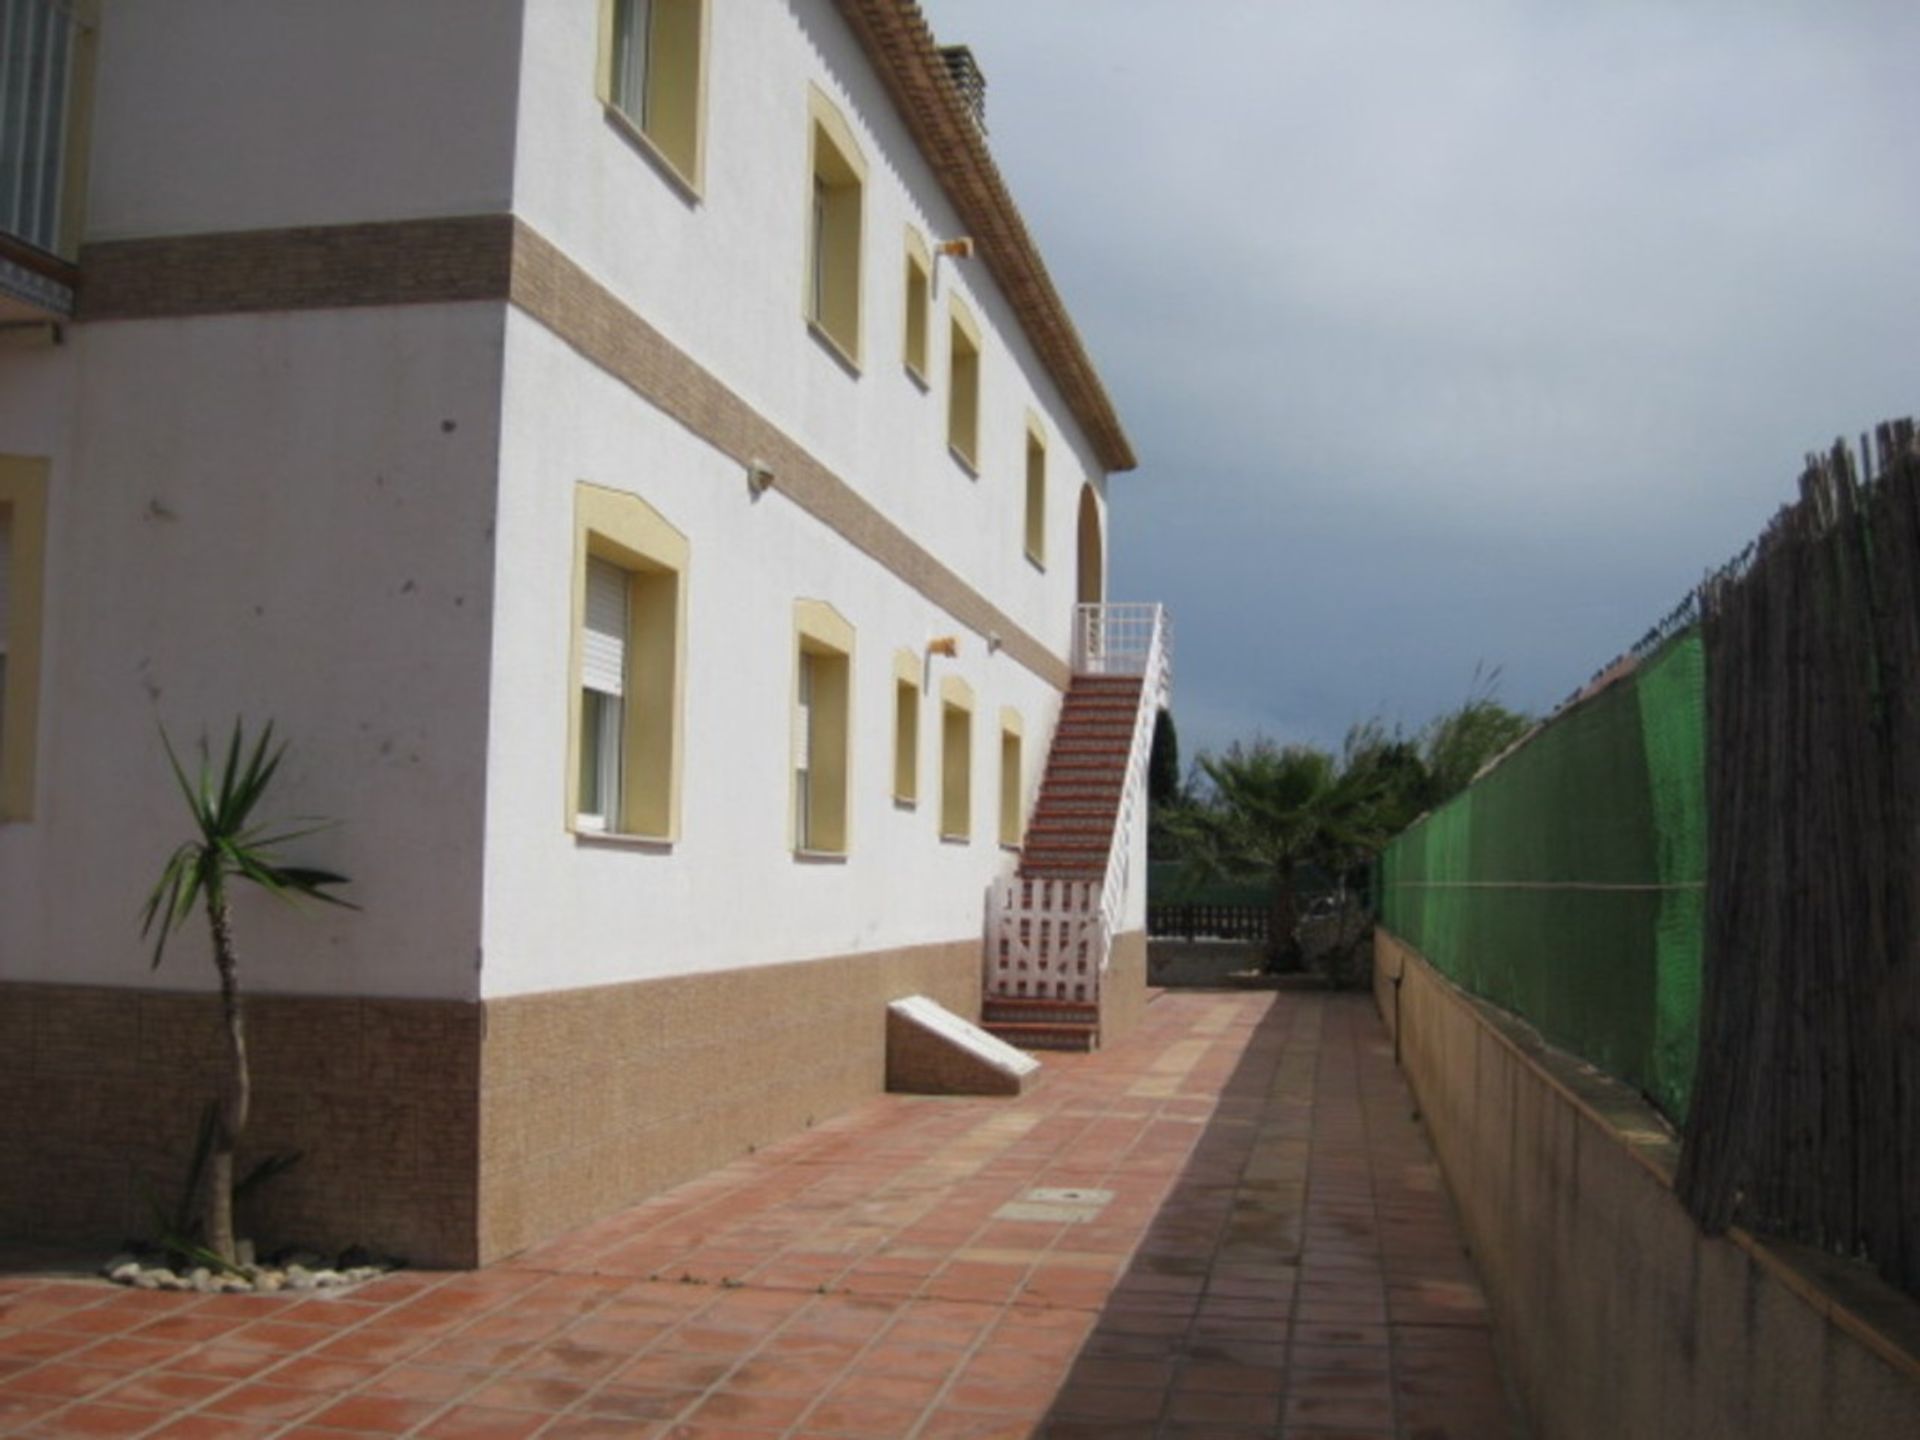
(1047, 1037)
(1094, 740)
(1072, 822)
(1079, 812)
(1036, 1009)
(1073, 833)
(1067, 837)
(1087, 764)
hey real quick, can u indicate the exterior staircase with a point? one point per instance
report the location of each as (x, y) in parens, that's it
(1050, 924)
(1071, 829)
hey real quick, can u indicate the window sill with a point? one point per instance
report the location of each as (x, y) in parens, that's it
(616, 840)
(820, 857)
(1036, 562)
(831, 344)
(624, 126)
(915, 374)
(956, 840)
(906, 802)
(1012, 847)
(963, 460)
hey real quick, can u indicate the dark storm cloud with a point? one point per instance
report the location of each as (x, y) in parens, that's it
(1456, 333)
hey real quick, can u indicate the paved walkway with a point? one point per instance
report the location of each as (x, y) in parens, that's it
(1240, 1232)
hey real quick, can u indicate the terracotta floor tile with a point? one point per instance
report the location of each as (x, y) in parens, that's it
(375, 1414)
(750, 1411)
(222, 1361)
(59, 1380)
(88, 1419)
(163, 1390)
(480, 1422)
(421, 1382)
(527, 1392)
(973, 1425)
(215, 1427)
(266, 1402)
(862, 1418)
(312, 1372)
(594, 1427)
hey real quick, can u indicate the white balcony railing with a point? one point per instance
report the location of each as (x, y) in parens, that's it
(39, 46)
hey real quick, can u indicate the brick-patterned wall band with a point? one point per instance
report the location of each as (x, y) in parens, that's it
(496, 257)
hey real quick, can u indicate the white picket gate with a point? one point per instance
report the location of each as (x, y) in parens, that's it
(1046, 940)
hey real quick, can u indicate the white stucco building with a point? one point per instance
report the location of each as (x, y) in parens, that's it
(636, 456)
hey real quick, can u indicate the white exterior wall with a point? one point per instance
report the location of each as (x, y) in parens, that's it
(723, 277)
(562, 911)
(236, 115)
(262, 515)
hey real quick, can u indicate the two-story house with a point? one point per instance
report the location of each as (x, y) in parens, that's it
(635, 453)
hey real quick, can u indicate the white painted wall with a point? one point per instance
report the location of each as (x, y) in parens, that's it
(723, 277)
(562, 911)
(287, 517)
(238, 114)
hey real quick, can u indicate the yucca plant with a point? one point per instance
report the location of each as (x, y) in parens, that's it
(231, 845)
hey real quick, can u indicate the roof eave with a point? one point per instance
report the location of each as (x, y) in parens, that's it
(900, 45)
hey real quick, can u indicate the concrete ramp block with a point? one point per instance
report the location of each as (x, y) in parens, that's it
(932, 1051)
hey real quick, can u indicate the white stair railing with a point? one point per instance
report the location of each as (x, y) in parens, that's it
(1053, 939)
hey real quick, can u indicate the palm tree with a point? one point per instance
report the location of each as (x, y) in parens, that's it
(229, 846)
(1275, 810)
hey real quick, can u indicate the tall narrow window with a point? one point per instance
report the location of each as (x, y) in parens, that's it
(1012, 788)
(822, 734)
(652, 57)
(956, 759)
(833, 229)
(963, 386)
(603, 687)
(919, 300)
(624, 737)
(906, 728)
(1036, 526)
(22, 531)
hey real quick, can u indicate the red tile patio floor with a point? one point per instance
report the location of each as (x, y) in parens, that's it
(1278, 1258)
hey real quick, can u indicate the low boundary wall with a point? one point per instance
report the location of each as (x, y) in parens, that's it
(1619, 1316)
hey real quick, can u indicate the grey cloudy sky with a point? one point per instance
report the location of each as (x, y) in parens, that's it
(1456, 333)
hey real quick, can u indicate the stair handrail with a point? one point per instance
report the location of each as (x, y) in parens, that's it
(1109, 641)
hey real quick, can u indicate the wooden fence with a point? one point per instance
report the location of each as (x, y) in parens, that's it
(1806, 1109)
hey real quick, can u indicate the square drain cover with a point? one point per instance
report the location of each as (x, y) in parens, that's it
(1058, 1206)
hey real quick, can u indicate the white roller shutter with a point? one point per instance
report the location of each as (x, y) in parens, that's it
(603, 649)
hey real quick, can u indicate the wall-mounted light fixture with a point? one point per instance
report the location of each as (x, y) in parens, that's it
(994, 642)
(947, 645)
(960, 248)
(759, 476)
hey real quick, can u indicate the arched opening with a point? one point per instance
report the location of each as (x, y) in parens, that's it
(1093, 567)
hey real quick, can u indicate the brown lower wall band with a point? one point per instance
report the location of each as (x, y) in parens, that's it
(498, 257)
(449, 1132)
